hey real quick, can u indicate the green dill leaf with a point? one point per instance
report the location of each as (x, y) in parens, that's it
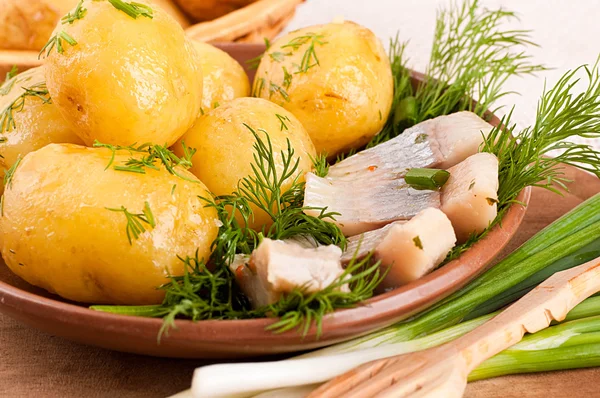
(8, 175)
(57, 41)
(78, 13)
(282, 120)
(7, 120)
(278, 56)
(320, 164)
(9, 82)
(259, 85)
(255, 62)
(173, 189)
(133, 9)
(287, 78)
(309, 58)
(135, 222)
(274, 89)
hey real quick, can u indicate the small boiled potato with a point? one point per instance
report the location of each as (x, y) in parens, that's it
(28, 24)
(127, 79)
(36, 124)
(224, 77)
(335, 78)
(225, 146)
(56, 231)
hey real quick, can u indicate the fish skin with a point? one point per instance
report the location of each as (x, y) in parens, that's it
(368, 189)
(277, 267)
(395, 246)
(470, 195)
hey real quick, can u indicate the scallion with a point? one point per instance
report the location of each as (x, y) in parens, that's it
(426, 179)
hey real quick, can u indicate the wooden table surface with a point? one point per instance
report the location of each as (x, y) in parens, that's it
(33, 364)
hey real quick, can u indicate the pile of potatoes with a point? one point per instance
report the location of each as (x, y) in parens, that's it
(66, 211)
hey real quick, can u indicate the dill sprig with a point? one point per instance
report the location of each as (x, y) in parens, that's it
(309, 58)
(38, 90)
(275, 88)
(153, 155)
(8, 174)
(473, 55)
(133, 9)
(320, 165)
(254, 62)
(298, 310)
(78, 13)
(9, 81)
(57, 41)
(561, 113)
(135, 222)
(283, 119)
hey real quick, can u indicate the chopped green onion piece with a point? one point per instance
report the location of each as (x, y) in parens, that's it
(426, 179)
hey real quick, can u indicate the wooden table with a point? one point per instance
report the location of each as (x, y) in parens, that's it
(33, 364)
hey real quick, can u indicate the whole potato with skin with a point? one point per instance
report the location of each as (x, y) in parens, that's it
(335, 78)
(127, 79)
(224, 77)
(28, 24)
(57, 232)
(37, 124)
(224, 145)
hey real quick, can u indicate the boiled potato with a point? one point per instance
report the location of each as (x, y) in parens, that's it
(335, 78)
(28, 24)
(57, 232)
(36, 124)
(127, 79)
(224, 145)
(224, 77)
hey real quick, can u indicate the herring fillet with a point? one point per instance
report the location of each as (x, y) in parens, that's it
(368, 189)
(277, 267)
(410, 249)
(470, 196)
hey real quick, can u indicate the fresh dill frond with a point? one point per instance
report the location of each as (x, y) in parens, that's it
(278, 56)
(275, 88)
(9, 81)
(282, 119)
(561, 113)
(153, 154)
(7, 120)
(135, 222)
(259, 85)
(309, 58)
(298, 310)
(78, 13)
(57, 41)
(8, 174)
(320, 164)
(473, 55)
(133, 9)
(254, 62)
(287, 78)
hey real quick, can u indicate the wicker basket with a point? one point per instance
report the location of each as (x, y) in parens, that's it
(264, 18)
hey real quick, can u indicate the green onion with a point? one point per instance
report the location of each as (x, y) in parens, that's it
(426, 179)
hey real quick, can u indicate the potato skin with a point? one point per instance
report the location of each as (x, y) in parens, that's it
(344, 100)
(56, 231)
(126, 80)
(37, 124)
(224, 77)
(28, 24)
(225, 146)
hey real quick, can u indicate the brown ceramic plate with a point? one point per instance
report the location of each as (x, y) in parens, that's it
(243, 338)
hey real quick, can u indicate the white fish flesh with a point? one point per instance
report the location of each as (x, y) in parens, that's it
(368, 189)
(277, 267)
(470, 196)
(411, 249)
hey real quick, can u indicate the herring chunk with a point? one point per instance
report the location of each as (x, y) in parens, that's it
(368, 189)
(470, 196)
(277, 267)
(411, 249)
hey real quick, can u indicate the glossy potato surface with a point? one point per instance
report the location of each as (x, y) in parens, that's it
(36, 124)
(56, 231)
(335, 78)
(126, 80)
(225, 146)
(224, 77)
(27, 24)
